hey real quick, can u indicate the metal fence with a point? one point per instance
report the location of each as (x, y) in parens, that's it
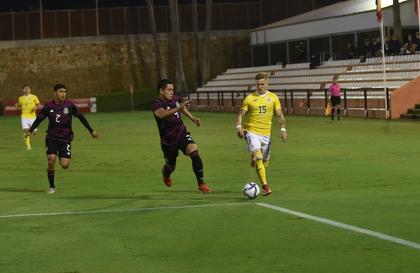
(135, 20)
(132, 20)
(364, 100)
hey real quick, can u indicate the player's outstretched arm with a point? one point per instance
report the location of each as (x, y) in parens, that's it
(84, 121)
(165, 113)
(194, 119)
(239, 129)
(18, 106)
(38, 106)
(39, 118)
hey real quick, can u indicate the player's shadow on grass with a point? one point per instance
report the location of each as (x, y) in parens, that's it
(19, 190)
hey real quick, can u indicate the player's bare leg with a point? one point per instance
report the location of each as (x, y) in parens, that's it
(65, 163)
(197, 164)
(51, 171)
(338, 112)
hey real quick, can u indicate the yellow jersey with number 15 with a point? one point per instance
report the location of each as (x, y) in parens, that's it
(260, 110)
(28, 104)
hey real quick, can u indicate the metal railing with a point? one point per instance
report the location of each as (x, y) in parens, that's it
(352, 99)
(40, 24)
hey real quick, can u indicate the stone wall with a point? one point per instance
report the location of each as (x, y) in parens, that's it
(91, 66)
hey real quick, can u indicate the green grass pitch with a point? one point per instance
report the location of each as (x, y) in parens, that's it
(364, 173)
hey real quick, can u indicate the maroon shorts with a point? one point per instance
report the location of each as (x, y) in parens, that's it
(171, 152)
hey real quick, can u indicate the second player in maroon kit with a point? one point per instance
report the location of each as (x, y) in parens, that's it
(59, 133)
(174, 136)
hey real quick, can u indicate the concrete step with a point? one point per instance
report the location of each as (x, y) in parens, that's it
(410, 116)
(413, 111)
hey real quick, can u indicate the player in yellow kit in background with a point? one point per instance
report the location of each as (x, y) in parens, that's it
(27, 104)
(260, 107)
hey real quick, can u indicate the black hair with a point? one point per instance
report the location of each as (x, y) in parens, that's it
(25, 85)
(163, 83)
(59, 86)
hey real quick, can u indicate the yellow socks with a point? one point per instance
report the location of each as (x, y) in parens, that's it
(260, 167)
(28, 142)
(261, 171)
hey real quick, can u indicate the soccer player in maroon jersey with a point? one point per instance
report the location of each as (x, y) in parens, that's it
(59, 134)
(174, 136)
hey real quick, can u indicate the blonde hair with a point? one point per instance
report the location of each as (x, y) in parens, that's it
(261, 75)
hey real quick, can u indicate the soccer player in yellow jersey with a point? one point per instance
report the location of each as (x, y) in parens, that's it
(260, 106)
(28, 104)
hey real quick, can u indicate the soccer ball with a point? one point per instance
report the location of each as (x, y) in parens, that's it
(251, 190)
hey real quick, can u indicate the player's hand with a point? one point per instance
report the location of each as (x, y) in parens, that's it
(94, 134)
(240, 132)
(283, 135)
(182, 105)
(196, 121)
(185, 103)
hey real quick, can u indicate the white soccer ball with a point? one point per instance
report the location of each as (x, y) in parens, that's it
(251, 190)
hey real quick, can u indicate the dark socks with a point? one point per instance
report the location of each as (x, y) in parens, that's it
(332, 113)
(51, 178)
(168, 169)
(197, 165)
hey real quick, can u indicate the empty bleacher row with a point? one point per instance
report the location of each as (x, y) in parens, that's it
(273, 81)
(389, 67)
(401, 75)
(396, 59)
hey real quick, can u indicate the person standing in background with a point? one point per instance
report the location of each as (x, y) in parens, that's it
(335, 98)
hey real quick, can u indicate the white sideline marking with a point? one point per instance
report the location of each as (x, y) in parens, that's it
(277, 208)
(343, 226)
(118, 210)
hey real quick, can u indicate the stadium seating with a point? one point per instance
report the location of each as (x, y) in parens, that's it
(399, 70)
(304, 91)
(341, 63)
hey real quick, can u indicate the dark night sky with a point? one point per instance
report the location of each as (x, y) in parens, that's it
(27, 5)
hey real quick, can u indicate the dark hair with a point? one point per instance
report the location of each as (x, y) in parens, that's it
(163, 83)
(25, 85)
(59, 86)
